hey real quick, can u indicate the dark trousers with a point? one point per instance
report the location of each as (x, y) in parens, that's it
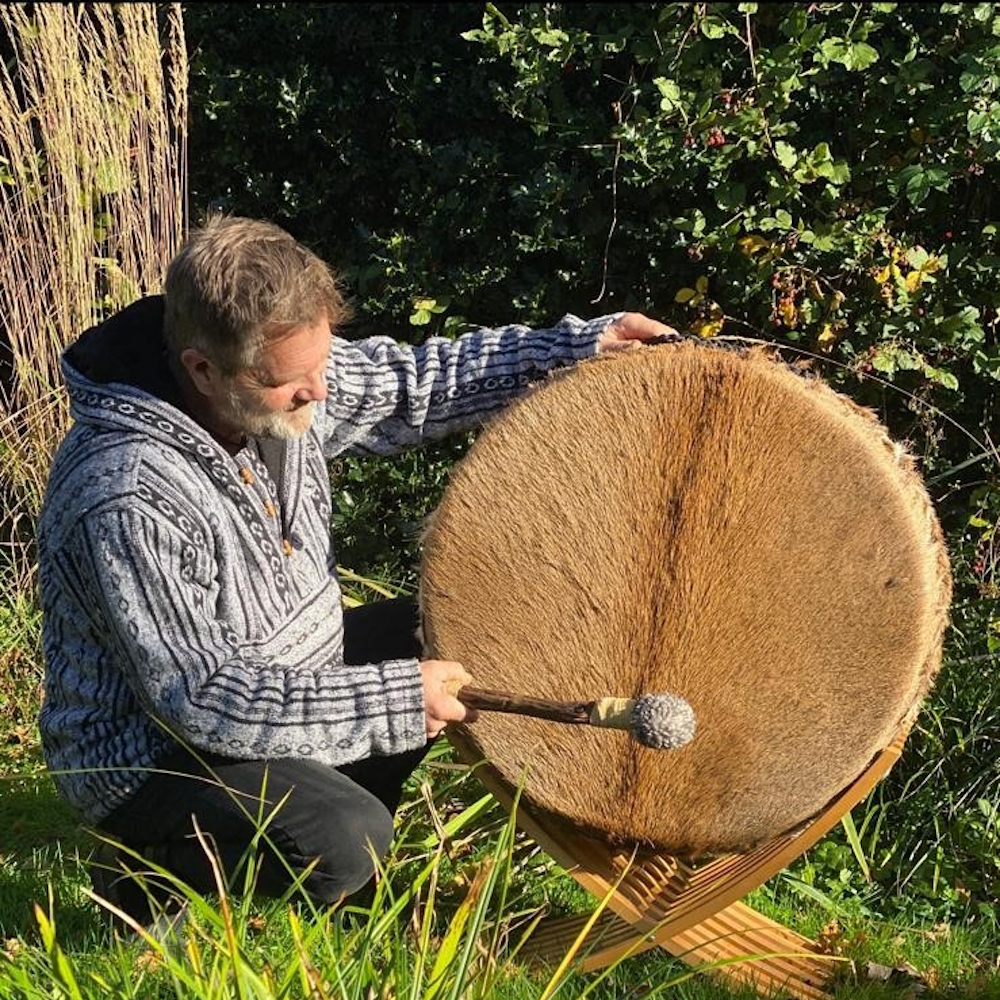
(337, 818)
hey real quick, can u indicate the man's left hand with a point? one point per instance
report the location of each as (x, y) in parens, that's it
(631, 330)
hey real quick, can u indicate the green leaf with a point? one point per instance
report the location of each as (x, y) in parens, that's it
(731, 197)
(971, 79)
(907, 361)
(832, 50)
(786, 154)
(670, 93)
(795, 22)
(783, 218)
(715, 27)
(851, 55)
(918, 187)
(978, 123)
(62, 971)
(550, 37)
(431, 305)
(989, 363)
(917, 182)
(821, 153)
(810, 891)
(885, 362)
(942, 377)
(494, 11)
(449, 946)
(836, 173)
(963, 325)
(455, 825)
(860, 55)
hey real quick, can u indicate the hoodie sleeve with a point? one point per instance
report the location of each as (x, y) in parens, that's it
(187, 667)
(385, 396)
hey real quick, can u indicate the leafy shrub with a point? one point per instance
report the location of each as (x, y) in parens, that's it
(822, 176)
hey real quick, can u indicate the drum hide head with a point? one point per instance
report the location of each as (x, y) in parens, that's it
(703, 522)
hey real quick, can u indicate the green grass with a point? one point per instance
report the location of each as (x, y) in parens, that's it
(461, 888)
(485, 878)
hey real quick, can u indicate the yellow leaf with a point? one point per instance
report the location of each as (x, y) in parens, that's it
(709, 329)
(789, 314)
(752, 244)
(685, 295)
(914, 280)
(882, 275)
(827, 337)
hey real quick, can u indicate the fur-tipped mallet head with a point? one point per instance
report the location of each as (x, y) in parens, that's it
(662, 721)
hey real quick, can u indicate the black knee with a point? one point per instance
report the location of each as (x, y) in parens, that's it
(347, 860)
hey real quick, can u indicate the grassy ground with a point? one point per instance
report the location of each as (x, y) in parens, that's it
(453, 907)
(44, 850)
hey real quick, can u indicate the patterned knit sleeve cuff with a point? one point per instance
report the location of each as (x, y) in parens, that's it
(583, 335)
(404, 705)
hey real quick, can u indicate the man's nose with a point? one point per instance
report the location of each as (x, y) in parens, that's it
(314, 391)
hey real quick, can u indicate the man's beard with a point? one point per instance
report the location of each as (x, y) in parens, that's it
(255, 422)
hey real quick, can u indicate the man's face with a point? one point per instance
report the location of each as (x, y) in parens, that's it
(276, 398)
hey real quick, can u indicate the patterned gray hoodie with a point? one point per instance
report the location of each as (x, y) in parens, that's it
(190, 595)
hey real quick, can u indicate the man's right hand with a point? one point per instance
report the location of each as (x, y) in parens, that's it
(441, 678)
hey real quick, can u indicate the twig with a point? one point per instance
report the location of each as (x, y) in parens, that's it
(756, 86)
(617, 106)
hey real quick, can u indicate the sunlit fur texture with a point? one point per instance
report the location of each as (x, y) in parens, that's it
(702, 522)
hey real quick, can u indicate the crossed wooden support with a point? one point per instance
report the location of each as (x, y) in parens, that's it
(693, 911)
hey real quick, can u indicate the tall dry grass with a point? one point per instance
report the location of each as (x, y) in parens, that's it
(93, 110)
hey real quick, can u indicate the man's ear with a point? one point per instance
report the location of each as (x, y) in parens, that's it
(203, 372)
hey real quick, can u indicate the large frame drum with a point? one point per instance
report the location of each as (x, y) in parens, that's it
(698, 521)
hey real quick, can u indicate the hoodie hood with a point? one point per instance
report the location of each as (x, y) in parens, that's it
(119, 380)
(128, 349)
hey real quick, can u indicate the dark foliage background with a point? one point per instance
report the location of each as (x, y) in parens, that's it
(819, 175)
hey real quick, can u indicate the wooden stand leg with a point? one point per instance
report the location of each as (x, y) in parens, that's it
(758, 951)
(693, 912)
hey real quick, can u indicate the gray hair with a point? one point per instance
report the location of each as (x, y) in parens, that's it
(235, 281)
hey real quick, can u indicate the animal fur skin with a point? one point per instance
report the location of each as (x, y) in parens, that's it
(703, 522)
